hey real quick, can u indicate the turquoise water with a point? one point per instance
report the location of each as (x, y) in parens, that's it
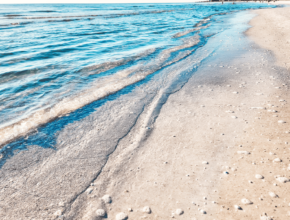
(56, 59)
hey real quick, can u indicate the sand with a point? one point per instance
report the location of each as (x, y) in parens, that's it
(216, 151)
(272, 31)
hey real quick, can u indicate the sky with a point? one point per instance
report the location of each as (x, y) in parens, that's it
(89, 1)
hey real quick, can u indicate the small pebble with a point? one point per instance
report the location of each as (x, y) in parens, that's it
(273, 195)
(282, 179)
(121, 216)
(89, 190)
(243, 152)
(107, 199)
(202, 211)
(179, 211)
(277, 160)
(258, 176)
(281, 121)
(246, 202)
(264, 217)
(237, 207)
(58, 212)
(101, 212)
(147, 210)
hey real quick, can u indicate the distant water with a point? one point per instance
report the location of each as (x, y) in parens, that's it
(55, 59)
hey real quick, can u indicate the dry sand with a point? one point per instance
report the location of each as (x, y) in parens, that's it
(272, 31)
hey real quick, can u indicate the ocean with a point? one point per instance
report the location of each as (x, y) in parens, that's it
(66, 69)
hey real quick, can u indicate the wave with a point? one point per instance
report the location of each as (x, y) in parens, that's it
(46, 11)
(103, 67)
(99, 90)
(78, 17)
(183, 33)
(12, 15)
(108, 15)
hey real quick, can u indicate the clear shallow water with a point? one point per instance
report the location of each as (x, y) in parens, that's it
(56, 59)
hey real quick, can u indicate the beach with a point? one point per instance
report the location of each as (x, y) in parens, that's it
(209, 144)
(228, 122)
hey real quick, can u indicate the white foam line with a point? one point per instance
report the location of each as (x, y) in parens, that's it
(100, 90)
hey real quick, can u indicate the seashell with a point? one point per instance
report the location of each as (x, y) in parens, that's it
(273, 195)
(282, 179)
(179, 211)
(58, 212)
(277, 160)
(147, 209)
(89, 190)
(101, 212)
(204, 162)
(121, 216)
(264, 217)
(234, 117)
(107, 199)
(281, 121)
(246, 202)
(258, 108)
(237, 207)
(235, 92)
(258, 176)
(202, 211)
(243, 152)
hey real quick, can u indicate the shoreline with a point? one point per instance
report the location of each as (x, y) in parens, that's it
(203, 153)
(199, 158)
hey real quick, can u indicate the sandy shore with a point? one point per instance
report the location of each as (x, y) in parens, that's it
(219, 148)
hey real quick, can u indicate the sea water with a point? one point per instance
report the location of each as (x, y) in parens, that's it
(60, 63)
